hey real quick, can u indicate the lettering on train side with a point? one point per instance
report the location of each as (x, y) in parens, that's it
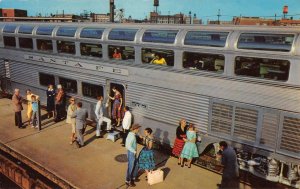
(78, 65)
(139, 105)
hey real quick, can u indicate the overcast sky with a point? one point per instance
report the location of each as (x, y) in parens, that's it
(205, 9)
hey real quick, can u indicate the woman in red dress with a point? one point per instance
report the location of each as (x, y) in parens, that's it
(117, 105)
(117, 54)
(180, 139)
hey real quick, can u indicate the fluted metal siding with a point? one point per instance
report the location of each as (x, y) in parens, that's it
(169, 105)
(269, 131)
(2, 69)
(290, 140)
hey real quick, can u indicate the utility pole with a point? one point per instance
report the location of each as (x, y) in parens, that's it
(190, 16)
(112, 10)
(219, 14)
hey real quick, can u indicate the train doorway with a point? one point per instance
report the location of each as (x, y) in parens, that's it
(117, 103)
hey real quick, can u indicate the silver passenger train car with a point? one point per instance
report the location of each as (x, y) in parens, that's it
(239, 84)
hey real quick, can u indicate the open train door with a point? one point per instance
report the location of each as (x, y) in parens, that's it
(121, 89)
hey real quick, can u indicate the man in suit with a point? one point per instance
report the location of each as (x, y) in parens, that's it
(17, 105)
(80, 114)
(231, 169)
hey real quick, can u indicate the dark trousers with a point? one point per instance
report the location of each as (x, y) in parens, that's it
(125, 133)
(18, 119)
(229, 183)
(59, 112)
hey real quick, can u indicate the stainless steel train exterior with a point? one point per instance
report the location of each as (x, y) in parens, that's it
(258, 114)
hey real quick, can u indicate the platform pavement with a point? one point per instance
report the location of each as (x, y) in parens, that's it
(93, 166)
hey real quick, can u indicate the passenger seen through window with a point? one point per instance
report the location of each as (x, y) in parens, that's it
(158, 56)
(121, 52)
(66, 47)
(94, 50)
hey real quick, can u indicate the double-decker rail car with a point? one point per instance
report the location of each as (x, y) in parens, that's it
(239, 84)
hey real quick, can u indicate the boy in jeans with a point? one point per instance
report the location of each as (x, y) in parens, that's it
(35, 112)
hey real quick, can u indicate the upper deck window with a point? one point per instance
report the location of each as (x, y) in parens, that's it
(122, 34)
(45, 30)
(94, 33)
(9, 28)
(26, 29)
(268, 42)
(160, 36)
(206, 38)
(66, 31)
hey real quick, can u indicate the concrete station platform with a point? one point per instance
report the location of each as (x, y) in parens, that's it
(97, 164)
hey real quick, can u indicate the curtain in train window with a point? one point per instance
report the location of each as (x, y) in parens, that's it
(203, 61)
(264, 68)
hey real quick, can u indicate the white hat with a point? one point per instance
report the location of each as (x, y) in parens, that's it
(59, 86)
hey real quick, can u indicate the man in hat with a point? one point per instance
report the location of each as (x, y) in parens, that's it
(131, 155)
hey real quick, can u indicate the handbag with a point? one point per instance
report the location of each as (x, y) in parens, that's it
(155, 177)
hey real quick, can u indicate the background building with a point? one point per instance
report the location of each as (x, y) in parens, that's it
(166, 19)
(9, 13)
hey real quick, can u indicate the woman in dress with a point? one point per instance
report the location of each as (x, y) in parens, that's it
(180, 140)
(117, 54)
(146, 158)
(189, 150)
(71, 121)
(50, 100)
(117, 105)
(29, 105)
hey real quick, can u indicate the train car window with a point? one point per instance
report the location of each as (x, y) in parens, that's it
(203, 61)
(121, 52)
(66, 31)
(45, 30)
(265, 68)
(206, 38)
(9, 41)
(66, 47)
(44, 45)
(91, 90)
(160, 36)
(87, 49)
(9, 28)
(26, 43)
(268, 42)
(122, 34)
(46, 79)
(94, 33)
(69, 85)
(25, 29)
(158, 56)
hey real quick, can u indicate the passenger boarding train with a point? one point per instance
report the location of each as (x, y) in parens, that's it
(235, 83)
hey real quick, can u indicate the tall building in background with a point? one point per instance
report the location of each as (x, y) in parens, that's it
(166, 19)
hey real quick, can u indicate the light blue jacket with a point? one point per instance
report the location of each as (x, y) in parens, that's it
(131, 142)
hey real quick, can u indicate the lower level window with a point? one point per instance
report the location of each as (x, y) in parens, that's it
(26, 43)
(9, 41)
(69, 85)
(262, 68)
(66, 47)
(158, 57)
(91, 90)
(46, 79)
(203, 61)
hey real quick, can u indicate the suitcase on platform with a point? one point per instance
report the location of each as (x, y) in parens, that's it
(155, 177)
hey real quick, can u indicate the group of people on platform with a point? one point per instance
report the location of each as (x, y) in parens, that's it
(184, 148)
